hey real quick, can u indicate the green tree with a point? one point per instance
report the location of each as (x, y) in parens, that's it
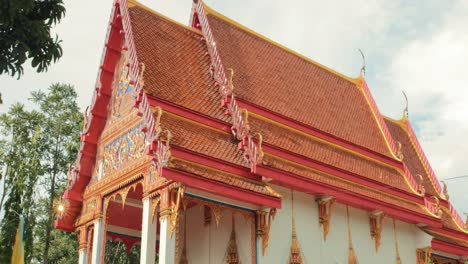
(61, 126)
(25, 34)
(36, 148)
(21, 130)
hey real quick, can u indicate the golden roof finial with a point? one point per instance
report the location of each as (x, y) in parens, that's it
(363, 68)
(405, 111)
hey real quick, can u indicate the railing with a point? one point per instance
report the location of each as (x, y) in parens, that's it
(240, 127)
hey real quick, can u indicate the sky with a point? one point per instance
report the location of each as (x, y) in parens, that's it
(420, 47)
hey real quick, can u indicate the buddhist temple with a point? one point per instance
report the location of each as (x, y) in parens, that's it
(210, 143)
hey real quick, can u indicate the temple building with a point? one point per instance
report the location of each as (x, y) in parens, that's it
(210, 143)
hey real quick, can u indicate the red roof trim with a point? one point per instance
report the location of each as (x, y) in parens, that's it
(221, 189)
(96, 116)
(448, 248)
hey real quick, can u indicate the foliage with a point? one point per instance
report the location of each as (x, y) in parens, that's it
(37, 148)
(21, 130)
(116, 253)
(25, 33)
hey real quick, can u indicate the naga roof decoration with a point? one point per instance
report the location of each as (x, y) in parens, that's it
(214, 119)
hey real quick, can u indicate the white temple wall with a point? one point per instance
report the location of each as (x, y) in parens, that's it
(335, 249)
(208, 244)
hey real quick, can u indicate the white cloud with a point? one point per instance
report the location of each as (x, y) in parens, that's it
(419, 47)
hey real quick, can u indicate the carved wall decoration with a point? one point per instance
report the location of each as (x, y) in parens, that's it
(376, 220)
(399, 152)
(154, 206)
(232, 256)
(264, 220)
(89, 244)
(295, 255)
(163, 153)
(207, 215)
(123, 149)
(124, 94)
(352, 259)
(216, 209)
(175, 208)
(82, 237)
(436, 205)
(445, 191)
(325, 208)
(423, 255)
(421, 188)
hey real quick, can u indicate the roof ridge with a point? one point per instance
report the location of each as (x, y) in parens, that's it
(132, 3)
(213, 12)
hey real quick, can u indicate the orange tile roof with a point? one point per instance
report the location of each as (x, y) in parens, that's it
(202, 139)
(223, 177)
(410, 156)
(280, 81)
(177, 68)
(326, 153)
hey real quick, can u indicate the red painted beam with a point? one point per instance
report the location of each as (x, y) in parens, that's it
(344, 196)
(448, 248)
(221, 189)
(449, 232)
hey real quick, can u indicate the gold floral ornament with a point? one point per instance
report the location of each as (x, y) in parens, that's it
(445, 191)
(421, 188)
(376, 220)
(295, 255)
(232, 256)
(399, 153)
(264, 220)
(175, 208)
(325, 205)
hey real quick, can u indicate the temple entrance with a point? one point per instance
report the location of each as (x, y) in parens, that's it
(122, 225)
(212, 232)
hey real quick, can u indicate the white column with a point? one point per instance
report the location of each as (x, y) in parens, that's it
(166, 242)
(97, 238)
(148, 235)
(82, 256)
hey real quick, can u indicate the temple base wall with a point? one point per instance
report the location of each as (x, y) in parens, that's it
(335, 249)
